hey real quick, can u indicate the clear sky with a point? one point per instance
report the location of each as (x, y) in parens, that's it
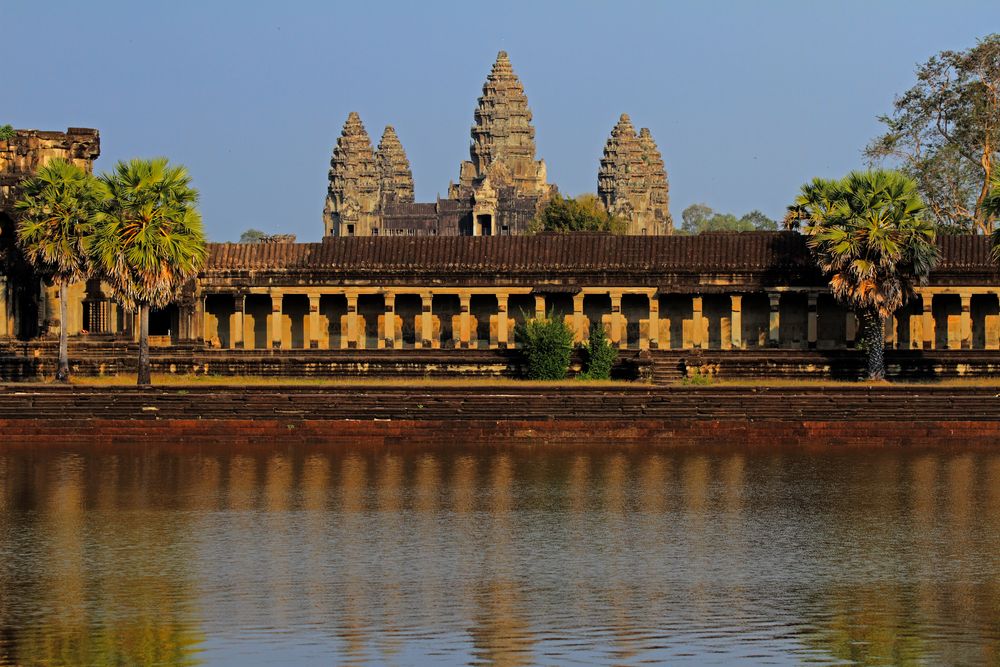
(747, 100)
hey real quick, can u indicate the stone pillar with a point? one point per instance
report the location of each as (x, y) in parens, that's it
(274, 324)
(616, 321)
(502, 341)
(239, 324)
(890, 332)
(352, 320)
(966, 320)
(539, 306)
(697, 322)
(736, 321)
(812, 326)
(578, 319)
(927, 325)
(4, 309)
(426, 324)
(314, 337)
(654, 321)
(389, 333)
(774, 325)
(850, 328)
(465, 324)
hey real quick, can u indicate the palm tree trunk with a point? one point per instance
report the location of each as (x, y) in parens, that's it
(143, 379)
(873, 336)
(62, 372)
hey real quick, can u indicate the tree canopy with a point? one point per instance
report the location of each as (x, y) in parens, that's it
(698, 218)
(252, 236)
(7, 132)
(581, 214)
(944, 132)
(868, 234)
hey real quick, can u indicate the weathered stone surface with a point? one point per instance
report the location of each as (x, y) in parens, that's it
(394, 175)
(352, 201)
(503, 138)
(632, 181)
(29, 150)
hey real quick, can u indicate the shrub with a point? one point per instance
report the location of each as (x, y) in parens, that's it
(7, 132)
(599, 354)
(547, 344)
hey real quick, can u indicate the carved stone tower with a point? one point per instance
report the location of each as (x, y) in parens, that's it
(656, 183)
(352, 201)
(632, 182)
(503, 138)
(395, 180)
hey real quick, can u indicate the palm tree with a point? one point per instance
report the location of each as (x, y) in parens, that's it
(991, 210)
(149, 240)
(868, 234)
(57, 210)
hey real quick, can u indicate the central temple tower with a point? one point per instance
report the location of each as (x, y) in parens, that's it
(503, 139)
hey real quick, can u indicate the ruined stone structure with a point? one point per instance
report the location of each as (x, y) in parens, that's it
(500, 188)
(22, 302)
(632, 181)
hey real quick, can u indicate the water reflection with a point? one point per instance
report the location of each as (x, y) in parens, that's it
(507, 556)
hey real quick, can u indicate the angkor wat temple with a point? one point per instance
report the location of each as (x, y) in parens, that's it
(402, 287)
(500, 188)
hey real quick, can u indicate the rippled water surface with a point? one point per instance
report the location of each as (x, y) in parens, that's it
(511, 556)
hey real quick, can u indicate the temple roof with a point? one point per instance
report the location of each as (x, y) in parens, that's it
(562, 254)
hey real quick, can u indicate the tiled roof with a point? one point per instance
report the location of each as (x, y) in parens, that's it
(559, 254)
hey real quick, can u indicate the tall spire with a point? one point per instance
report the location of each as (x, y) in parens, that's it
(352, 197)
(394, 175)
(632, 182)
(503, 138)
(656, 182)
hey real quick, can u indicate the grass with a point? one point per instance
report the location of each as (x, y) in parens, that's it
(173, 380)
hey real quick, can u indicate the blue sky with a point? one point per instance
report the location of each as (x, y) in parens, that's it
(747, 100)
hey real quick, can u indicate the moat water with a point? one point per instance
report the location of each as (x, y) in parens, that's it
(508, 556)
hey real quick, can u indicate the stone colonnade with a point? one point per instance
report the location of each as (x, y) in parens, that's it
(634, 318)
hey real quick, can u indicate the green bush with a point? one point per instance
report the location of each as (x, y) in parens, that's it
(599, 354)
(547, 345)
(7, 132)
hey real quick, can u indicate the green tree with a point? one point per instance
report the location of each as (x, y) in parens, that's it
(56, 216)
(600, 354)
(992, 206)
(149, 239)
(868, 234)
(944, 132)
(7, 132)
(698, 218)
(547, 344)
(582, 214)
(252, 236)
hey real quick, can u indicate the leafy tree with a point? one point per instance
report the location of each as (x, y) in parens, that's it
(600, 354)
(547, 344)
(57, 211)
(944, 132)
(992, 206)
(7, 132)
(583, 214)
(758, 221)
(149, 239)
(868, 234)
(698, 218)
(252, 236)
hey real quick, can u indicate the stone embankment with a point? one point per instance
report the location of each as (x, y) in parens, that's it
(55, 416)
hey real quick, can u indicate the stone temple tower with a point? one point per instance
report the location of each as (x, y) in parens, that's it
(395, 179)
(352, 201)
(632, 181)
(503, 138)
